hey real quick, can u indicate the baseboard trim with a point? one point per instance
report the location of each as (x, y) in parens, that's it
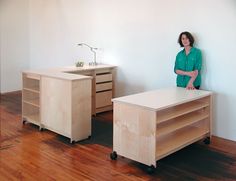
(12, 92)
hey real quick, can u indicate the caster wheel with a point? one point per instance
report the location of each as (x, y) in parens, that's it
(150, 169)
(113, 155)
(89, 137)
(40, 129)
(72, 142)
(207, 141)
(24, 121)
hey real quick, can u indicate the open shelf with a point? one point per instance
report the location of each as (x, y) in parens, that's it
(33, 102)
(180, 110)
(180, 122)
(178, 140)
(32, 89)
(30, 97)
(31, 82)
(33, 118)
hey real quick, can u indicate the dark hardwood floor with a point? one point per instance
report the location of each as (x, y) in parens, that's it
(28, 154)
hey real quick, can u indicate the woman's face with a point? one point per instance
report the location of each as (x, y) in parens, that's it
(185, 41)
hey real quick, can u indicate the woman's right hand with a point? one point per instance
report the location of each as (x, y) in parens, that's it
(192, 73)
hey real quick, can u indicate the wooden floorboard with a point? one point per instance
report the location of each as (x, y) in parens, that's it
(28, 154)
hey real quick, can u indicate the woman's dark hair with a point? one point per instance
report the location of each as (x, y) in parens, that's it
(189, 36)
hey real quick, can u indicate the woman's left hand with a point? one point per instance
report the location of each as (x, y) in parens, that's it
(190, 86)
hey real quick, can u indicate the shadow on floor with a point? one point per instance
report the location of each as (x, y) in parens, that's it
(102, 133)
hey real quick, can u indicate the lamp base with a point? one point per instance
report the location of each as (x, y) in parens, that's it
(93, 63)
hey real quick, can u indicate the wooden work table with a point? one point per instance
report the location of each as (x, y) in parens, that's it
(151, 125)
(63, 99)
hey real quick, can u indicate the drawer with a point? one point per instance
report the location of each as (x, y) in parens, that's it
(103, 78)
(103, 71)
(103, 99)
(103, 86)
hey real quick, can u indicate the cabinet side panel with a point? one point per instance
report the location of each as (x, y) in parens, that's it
(56, 105)
(81, 109)
(210, 113)
(134, 133)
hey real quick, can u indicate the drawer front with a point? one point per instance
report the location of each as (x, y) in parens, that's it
(104, 86)
(102, 71)
(103, 99)
(103, 78)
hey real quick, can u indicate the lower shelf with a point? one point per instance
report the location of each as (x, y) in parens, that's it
(104, 109)
(34, 118)
(178, 140)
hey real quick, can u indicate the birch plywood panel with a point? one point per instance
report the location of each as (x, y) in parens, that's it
(135, 133)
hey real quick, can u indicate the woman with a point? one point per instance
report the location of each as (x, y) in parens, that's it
(188, 63)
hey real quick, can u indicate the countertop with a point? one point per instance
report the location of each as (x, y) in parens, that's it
(162, 98)
(67, 72)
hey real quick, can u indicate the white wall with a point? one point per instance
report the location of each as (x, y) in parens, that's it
(1, 20)
(14, 43)
(1, 10)
(140, 37)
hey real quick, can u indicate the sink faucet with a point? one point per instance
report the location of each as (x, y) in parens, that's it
(92, 50)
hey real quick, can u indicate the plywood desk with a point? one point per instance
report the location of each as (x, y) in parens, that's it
(63, 99)
(151, 125)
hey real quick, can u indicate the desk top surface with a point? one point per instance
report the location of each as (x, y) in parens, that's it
(162, 98)
(66, 73)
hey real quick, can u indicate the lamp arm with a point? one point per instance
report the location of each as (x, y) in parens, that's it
(92, 50)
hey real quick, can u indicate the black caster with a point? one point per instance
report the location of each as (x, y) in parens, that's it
(113, 155)
(150, 169)
(40, 129)
(207, 141)
(24, 121)
(89, 137)
(72, 142)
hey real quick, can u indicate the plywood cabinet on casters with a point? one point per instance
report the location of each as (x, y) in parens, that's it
(157, 123)
(66, 107)
(63, 99)
(31, 93)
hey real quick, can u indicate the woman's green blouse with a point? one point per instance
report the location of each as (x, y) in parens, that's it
(190, 62)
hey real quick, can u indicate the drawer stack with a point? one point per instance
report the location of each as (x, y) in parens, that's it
(104, 90)
(102, 87)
